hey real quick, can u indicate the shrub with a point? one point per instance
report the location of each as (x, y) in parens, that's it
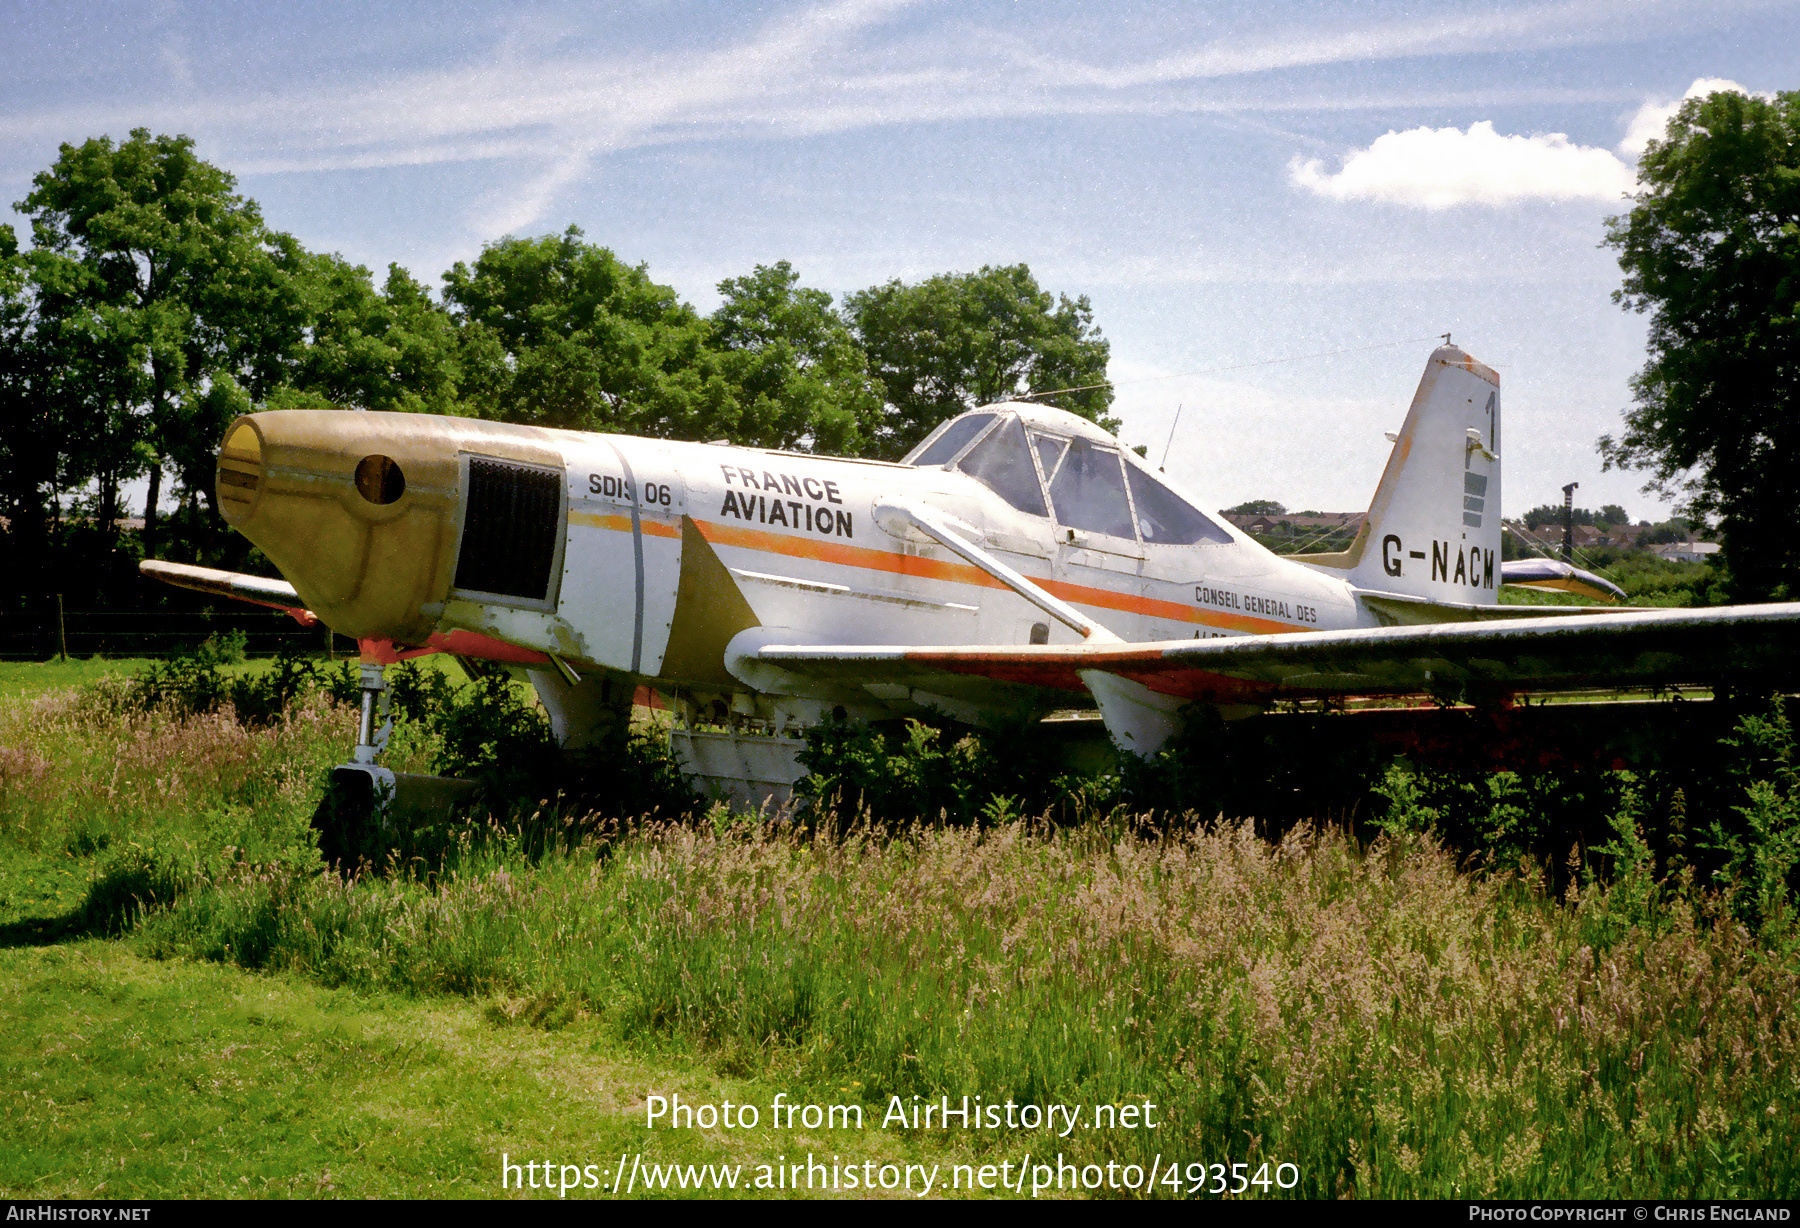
(136, 879)
(1756, 837)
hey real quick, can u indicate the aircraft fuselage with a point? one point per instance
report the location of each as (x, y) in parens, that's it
(645, 557)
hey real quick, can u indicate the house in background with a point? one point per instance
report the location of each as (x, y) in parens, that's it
(1686, 552)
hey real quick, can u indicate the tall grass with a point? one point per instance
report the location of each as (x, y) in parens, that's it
(1385, 1021)
(77, 772)
(1391, 1026)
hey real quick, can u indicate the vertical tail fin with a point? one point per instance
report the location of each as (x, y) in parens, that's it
(1433, 528)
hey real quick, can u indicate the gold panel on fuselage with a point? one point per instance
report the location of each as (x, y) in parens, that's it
(287, 480)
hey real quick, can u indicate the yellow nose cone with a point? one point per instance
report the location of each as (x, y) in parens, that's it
(361, 511)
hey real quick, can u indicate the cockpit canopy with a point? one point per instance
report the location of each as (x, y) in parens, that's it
(1047, 462)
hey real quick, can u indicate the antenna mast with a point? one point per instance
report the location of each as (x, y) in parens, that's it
(1163, 468)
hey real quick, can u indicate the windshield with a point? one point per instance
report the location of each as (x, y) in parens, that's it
(944, 448)
(1002, 463)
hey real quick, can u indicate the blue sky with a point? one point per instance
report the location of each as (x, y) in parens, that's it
(1228, 187)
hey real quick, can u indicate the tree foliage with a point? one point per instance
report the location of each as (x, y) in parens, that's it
(1552, 514)
(801, 379)
(1712, 250)
(154, 283)
(958, 340)
(557, 332)
(389, 350)
(31, 458)
(153, 304)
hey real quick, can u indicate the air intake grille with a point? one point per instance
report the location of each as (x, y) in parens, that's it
(509, 530)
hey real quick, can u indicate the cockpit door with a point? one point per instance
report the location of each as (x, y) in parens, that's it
(1098, 552)
(1090, 499)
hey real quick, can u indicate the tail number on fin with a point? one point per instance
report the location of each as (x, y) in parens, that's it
(1472, 566)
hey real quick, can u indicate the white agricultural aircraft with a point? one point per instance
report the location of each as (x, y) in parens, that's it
(1019, 560)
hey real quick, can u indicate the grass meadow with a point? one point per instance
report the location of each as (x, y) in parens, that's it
(194, 1007)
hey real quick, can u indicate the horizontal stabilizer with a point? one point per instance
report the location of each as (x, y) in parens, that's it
(1398, 608)
(1559, 577)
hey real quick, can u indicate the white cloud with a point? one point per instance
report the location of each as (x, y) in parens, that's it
(522, 206)
(1652, 119)
(173, 52)
(1440, 167)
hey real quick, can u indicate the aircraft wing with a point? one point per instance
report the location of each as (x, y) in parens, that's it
(280, 595)
(257, 590)
(1633, 649)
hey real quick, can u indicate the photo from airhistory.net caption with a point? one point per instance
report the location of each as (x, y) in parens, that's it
(1027, 1162)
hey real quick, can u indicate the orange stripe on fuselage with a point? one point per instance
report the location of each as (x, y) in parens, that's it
(622, 524)
(826, 551)
(1108, 599)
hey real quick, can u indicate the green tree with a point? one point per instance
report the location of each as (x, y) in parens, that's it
(1552, 514)
(388, 350)
(1665, 532)
(154, 283)
(964, 339)
(800, 379)
(1257, 507)
(1712, 250)
(555, 331)
(32, 441)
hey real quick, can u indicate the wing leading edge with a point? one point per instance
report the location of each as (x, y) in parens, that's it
(1140, 686)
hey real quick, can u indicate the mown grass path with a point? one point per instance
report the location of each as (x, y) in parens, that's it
(136, 1078)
